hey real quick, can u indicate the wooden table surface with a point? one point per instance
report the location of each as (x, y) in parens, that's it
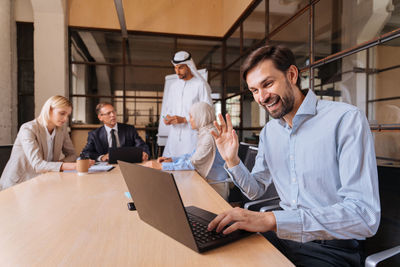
(62, 219)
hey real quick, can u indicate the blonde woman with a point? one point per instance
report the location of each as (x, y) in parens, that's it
(205, 159)
(39, 144)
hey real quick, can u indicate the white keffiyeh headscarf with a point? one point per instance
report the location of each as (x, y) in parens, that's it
(183, 57)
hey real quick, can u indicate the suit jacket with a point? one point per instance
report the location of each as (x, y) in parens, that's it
(97, 143)
(29, 153)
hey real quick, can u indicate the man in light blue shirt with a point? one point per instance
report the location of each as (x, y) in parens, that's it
(319, 155)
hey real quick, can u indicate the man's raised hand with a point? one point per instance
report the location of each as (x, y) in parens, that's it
(227, 141)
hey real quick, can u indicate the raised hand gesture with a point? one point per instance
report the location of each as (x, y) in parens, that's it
(227, 141)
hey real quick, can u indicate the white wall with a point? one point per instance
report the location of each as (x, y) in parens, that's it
(50, 56)
(50, 50)
(7, 73)
(23, 11)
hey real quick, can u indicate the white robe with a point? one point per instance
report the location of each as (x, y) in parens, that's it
(181, 96)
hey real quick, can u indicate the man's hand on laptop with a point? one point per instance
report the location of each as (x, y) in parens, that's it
(104, 157)
(145, 156)
(243, 219)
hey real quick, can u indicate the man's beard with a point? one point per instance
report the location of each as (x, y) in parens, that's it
(182, 76)
(286, 106)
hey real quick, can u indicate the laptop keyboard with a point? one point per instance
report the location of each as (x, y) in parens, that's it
(200, 232)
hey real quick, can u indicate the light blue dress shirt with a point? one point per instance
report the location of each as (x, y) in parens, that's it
(216, 173)
(324, 170)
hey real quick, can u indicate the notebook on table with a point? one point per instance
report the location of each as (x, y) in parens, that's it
(128, 153)
(159, 204)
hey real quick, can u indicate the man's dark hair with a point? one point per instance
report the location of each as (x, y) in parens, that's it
(101, 105)
(281, 56)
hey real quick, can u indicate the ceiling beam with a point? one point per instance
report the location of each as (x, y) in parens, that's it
(121, 17)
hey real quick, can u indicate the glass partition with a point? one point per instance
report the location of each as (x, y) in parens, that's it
(384, 78)
(281, 11)
(214, 80)
(150, 50)
(142, 108)
(392, 21)
(254, 27)
(340, 25)
(296, 37)
(84, 109)
(233, 108)
(99, 80)
(305, 79)
(233, 47)
(233, 78)
(205, 53)
(146, 79)
(96, 46)
(387, 146)
(343, 80)
(131, 73)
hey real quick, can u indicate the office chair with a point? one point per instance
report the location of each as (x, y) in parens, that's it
(374, 259)
(235, 195)
(250, 158)
(386, 242)
(270, 199)
(5, 152)
(243, 148)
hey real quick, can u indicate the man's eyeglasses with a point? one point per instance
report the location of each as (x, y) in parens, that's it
(108, 113)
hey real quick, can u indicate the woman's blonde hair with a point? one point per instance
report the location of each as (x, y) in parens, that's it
(53, 102)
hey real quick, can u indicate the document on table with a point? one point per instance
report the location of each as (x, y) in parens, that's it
(100, 168)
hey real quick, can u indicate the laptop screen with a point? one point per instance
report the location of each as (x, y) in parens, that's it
(158, 201)
(129, 154)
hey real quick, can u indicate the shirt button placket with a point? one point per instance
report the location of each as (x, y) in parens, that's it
(294, 184)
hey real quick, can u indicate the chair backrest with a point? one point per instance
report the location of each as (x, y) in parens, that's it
(388, 235)
(5, 152)
(247, 156)
(250, 159)
(249, 163)
(243, 147)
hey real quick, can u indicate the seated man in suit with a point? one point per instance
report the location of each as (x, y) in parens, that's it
(111, 134)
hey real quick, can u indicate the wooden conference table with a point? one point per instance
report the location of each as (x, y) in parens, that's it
(62, 219)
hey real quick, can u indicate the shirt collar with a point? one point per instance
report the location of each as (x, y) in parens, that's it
(108, 129)
(307, 107)
(50, 136)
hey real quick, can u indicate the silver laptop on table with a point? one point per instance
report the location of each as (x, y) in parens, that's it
(159, 204)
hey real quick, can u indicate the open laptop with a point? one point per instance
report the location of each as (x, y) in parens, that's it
(159, 204)
(128, 153)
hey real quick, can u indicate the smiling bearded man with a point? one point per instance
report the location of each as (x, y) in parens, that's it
(319, 155)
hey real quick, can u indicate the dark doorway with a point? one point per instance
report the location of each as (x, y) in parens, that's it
(26, 83)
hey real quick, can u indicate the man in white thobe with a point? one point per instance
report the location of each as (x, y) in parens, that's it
(190, 88)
